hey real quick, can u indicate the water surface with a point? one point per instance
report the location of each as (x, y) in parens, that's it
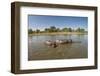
(37, 50)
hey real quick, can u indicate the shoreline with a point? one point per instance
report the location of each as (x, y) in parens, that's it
(59, 33)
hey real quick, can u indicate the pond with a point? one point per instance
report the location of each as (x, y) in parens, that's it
(37, 50)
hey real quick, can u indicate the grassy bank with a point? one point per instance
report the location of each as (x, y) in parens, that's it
(59, 33)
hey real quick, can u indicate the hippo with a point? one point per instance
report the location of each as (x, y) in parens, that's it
(64, 41)
(51, 43)
(48, 42)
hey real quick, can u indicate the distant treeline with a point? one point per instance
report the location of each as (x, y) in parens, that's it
(54, 29)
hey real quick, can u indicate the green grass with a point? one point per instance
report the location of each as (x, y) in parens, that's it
(59, 33)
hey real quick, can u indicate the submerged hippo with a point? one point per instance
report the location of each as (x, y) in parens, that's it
(58, 42)
(54, 44)
(48, 42)
(64, 41)
(51, 43)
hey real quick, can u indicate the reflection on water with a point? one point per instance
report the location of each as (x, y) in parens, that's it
(37, 50)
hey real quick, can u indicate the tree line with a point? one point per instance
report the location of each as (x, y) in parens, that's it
(54, 29)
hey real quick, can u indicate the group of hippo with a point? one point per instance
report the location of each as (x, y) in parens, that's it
(55, 43)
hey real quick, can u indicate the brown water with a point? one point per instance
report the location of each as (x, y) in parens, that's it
(37, 50)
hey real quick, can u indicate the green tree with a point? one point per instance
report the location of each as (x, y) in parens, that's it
(65, 29)
(46, 29)
(52, 29)
(57, 30)
(37, 31)
(30, 31)
(69, 29)
(80, 30)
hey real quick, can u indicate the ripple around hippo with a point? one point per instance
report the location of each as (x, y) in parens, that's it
(57, 42)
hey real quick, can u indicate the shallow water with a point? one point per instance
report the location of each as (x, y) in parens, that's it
(37, 50)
